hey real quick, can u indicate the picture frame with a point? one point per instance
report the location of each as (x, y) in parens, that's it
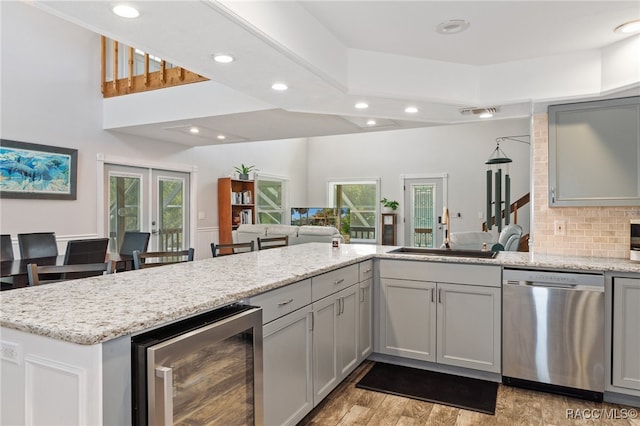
(34, 171)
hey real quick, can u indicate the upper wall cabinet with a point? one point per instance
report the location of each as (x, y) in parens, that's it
(594, 153)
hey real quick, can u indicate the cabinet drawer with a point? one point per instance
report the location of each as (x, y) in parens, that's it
(331, 282)
(484, 275)
(281, 301)
(366, 270)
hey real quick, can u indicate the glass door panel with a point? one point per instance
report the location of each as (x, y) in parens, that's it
(169, 221)
(424, 200)
(125, 202)
(361, 200)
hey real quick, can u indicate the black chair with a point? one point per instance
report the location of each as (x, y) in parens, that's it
(272, 242)
(141, 260)
(93, 250)
(37, 244)
(133, 241)
(6, 248)
(243, 247)
(37, 274)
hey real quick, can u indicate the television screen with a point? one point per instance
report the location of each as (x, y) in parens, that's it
(321, 216)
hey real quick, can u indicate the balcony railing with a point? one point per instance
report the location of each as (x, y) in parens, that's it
(126, 70)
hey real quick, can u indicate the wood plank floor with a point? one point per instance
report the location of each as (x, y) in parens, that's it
(348, 405)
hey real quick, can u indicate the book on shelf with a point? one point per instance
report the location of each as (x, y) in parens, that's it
(246, 217)
(247, 197)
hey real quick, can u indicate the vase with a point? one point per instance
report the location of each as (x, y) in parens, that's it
(243, 176)
(387, 210)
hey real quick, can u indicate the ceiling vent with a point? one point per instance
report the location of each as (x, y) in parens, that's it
(478, 111)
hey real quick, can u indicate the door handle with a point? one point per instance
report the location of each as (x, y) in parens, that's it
(433, 291)
(164, 376)
(340, 281)
(439, 295)
(285, 302)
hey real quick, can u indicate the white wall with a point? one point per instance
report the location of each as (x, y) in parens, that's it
(460, 151)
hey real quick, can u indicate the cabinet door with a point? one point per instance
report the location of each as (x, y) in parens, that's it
(469, 326)
(365, 319)
(626, 333)
(325, 343)
(408, 318)
(347, 331)
(286, 351)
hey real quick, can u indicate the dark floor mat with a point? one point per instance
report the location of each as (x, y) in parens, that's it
(457, 391)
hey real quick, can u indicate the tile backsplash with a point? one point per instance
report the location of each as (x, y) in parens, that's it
(588, 231)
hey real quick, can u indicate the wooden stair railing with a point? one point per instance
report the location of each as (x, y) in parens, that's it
(165, 76)
(513, 208)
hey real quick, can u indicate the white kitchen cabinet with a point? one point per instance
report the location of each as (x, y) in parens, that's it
(408, 318)
(468, 326)
(287, 368)
(626, 333)
(365, 319)
(335, 340)
(456, 322)
(325, 343)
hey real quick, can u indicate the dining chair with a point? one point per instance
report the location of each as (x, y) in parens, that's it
(92, 250)
(272, 242)
(37, 244)
(41, 274)
(133, 241)
(6, 248)
(141, 259)
(243, 247)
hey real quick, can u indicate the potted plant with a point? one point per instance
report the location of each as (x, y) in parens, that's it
(388, 206)
(243, 171)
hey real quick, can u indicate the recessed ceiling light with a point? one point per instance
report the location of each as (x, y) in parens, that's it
(124, 11)
(453, 26)
(194, 130)
(628, 27)
(371, 122)
(221, 137)
(223, 58)
(362, 105)
(279, 86)
(411, 110)
(486, 114)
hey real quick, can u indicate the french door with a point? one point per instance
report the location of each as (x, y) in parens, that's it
(147, 200)
(423, 198)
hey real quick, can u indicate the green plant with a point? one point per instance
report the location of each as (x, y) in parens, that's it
(389, 203)
(244, 170)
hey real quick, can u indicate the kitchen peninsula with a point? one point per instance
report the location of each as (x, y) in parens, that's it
(75, 332)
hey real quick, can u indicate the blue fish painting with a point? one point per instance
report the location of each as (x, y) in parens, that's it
(31, 171)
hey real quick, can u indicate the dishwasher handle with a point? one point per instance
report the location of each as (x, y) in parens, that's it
(565, 286)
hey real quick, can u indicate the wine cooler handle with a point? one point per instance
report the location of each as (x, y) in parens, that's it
(165, 375)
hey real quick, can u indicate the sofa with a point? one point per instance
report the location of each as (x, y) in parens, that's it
(508, 240)
(297, 234)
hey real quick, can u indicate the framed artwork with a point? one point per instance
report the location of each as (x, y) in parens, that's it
(29, 170)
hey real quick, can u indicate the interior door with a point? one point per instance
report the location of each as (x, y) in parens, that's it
(424, 200)
(147, 200)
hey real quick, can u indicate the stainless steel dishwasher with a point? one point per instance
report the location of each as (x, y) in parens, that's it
(553, 332)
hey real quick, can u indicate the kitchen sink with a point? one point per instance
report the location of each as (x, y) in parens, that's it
(446, 252)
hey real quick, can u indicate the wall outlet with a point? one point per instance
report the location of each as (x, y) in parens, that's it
(10, 352)
(559, 227)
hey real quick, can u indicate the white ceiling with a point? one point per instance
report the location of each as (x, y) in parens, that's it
(335, 53)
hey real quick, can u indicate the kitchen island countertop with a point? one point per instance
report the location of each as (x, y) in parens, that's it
(95, 310)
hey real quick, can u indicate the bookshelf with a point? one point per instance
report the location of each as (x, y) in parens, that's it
(236, 205)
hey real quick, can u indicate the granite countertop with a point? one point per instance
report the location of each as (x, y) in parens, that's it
(95, 310)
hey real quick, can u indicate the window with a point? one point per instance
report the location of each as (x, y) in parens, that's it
(361, 198)
(271, 203)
